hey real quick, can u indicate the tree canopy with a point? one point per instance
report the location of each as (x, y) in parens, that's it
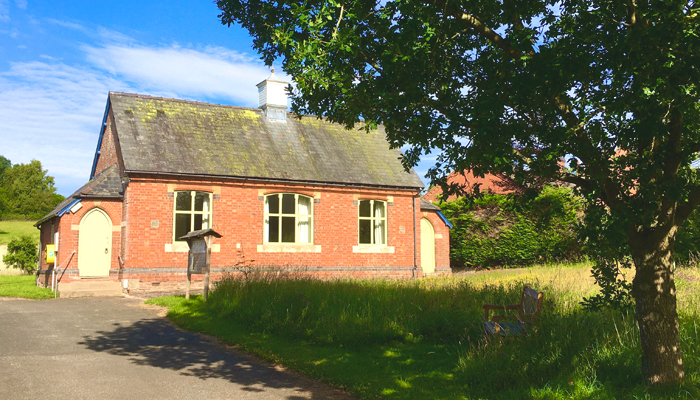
(512, 88)
(26, 191)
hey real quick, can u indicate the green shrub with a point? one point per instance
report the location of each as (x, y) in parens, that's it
(22, 253)
(504, 230)
(687, 246)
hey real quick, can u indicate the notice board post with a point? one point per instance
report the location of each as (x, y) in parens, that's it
(199, 257)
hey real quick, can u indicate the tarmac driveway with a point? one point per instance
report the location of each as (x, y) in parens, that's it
(115, 348)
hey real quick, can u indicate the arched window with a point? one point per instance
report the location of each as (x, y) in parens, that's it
(192, 212)
(288, 218)
(372, 222)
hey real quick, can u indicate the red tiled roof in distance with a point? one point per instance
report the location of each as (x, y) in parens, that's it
(467, 180)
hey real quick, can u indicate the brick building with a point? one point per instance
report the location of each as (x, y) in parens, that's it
(288, 193)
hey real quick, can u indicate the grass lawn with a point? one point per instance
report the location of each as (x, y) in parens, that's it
(422, 339)
(23, 286)
(12, 229)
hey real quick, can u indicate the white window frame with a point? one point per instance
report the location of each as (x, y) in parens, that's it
(191, 212)
(296, 215)
(373, 220)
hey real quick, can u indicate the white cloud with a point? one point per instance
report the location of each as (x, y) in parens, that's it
(21, 4)
(210, 72)
(4, 11)
(52, 112)
(66, 24)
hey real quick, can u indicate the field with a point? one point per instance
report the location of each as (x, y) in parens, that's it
(422, 339)
(12, 229)
(23, 286)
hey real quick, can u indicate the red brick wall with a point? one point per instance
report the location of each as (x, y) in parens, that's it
(108, 151)
(238, 216)
(151, 262)
(68, 229)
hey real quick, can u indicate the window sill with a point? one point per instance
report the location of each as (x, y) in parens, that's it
(289, 248)
(182, 247)
(380, 249)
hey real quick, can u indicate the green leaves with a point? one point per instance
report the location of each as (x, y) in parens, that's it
(22, 253)
(497, 230)
(27, 192)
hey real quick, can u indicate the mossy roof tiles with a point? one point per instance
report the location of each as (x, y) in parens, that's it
(107, 184)
(183, 137)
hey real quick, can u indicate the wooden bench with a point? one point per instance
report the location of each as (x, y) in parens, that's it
(529, 309)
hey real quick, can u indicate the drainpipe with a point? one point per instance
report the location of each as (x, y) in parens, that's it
(415, 242)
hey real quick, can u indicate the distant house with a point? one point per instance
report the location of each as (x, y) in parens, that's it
(300, 194)
(467, 181)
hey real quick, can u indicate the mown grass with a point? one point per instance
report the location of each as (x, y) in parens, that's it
(23, 286)
(423, 338)
(13, 229)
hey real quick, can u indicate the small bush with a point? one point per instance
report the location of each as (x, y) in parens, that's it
(687, 247)
(494, 230)
(22, 253)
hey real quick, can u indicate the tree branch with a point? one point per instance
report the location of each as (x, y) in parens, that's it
(489, 34)
(631, 12)
(340, 18)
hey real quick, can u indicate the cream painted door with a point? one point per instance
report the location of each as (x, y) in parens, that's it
(95, 244)
(427, 246)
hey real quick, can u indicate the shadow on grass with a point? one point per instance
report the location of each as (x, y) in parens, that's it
(156, 343)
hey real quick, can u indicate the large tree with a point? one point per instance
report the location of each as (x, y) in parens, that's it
(511, 87)
(27, 192)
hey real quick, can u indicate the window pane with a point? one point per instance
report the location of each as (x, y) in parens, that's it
(304, 205)
(182, 225)
(287, 229)
(201, 201)
(304, 229)
(272, 204)
(365, 231)
(272, 226)
(198, 222)
(379, 229)
(365, 208)
(184, 201)
(206, 224)
(287, 204)
(379, 209)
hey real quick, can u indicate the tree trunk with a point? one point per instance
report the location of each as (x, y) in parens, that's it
(654, 292)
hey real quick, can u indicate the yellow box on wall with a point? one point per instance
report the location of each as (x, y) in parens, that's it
(50, 254)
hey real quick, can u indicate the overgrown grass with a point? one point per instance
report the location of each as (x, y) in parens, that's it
(423, 338)
(23, 286)
(13, 229)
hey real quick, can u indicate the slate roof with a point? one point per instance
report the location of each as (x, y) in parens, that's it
(184, 137)
(107, 184)
(425, 205)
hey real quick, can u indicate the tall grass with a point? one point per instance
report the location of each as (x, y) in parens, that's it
(570, 353)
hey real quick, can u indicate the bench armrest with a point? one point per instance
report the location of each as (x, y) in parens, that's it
(488, 307)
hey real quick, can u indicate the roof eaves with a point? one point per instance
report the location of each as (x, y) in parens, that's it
(254, 178)
(68, 207)
(445, 220)
(99, 141)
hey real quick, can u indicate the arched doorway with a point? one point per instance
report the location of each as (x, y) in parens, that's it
(427, 246)
(95, 244)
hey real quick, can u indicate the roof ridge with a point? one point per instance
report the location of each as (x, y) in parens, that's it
(148, 96)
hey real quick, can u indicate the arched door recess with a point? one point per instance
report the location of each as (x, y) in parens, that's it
(95, 244)
(427, 246)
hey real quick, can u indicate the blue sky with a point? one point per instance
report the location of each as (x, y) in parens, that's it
(59, 59)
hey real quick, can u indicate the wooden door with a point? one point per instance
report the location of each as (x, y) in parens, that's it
(95, 244)
(427, 246)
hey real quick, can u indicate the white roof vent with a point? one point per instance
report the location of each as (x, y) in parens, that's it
(272, 98)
